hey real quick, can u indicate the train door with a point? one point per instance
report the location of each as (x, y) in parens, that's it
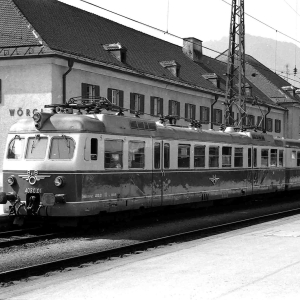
(161, 163)
(252, 169)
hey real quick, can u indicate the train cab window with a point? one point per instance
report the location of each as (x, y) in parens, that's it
(199, 156)
(298, 159)
(113, 155)
(280, 160)
(166, 155)
(184, 156)
(36, 147)
(238, 157)
(254, 157)
(136, 153)
(264, 157)
(213, 157)
(249, 157)
(94, 149)
(62, 147)
(156, 155)
(16, 148)
(273, 162)
(226, 157)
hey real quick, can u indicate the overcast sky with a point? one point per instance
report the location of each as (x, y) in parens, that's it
(202, 19)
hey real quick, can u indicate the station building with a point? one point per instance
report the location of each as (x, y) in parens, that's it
(50, 52)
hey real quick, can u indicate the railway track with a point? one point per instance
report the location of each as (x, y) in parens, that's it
(8, 277)
(23, 236)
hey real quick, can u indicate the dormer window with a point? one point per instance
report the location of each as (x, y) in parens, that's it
(172, 66)
(117, 50)
(213, 78)
(248, 90)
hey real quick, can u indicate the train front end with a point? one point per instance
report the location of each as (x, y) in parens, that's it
(39, 169)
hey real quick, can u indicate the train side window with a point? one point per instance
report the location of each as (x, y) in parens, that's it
(273, 162)
(293, 155)
(136, 154)
(226, 156)
(113, 155)
(62, 147)
(94, 149)
(36, 147)
(167, 156)
(249, 157)
(156, 155)
(213, 157)
(298, 159)
(238, 157)
(199, 156)
(184, 154)
(264, 157)
(280, 161)
(255, 158)
(16, 148)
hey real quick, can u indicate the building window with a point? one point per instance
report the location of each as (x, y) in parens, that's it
(226, 157)
(251, 120)
(238, 157)
(156, 106)
(174, 108)
(277, 126)
(259, 123)
(199, 156)
(264, 157)
(273, 162)
(113, 156)
(136, 154)
(90, 90)
(269, 125)
(204, 114)
(116, 97)
(217, 120)
(190, 112)
(184, 156)
(137, 103)
(213, 157)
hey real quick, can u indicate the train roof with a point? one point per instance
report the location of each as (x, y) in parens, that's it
(121, 125)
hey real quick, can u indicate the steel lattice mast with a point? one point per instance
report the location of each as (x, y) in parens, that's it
(235, 83)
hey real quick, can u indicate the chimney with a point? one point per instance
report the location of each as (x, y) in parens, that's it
(192, 48)
(117, 50)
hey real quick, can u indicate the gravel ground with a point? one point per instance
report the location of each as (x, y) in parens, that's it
(43, 251)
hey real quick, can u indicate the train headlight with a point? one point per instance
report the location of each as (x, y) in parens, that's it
(59, 181)
(11, 180)
(37, 117)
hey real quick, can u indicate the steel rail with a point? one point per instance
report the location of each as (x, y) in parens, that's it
(40, 269)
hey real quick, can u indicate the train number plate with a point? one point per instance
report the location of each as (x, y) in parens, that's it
(33, 190)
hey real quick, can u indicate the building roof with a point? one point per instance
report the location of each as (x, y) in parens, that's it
(73, 31)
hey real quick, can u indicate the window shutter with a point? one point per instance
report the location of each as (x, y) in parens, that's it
(132, 104)
(161, 103)
(201, 114)
(109, 94)
(142, 104)
(152, 106)
(186, 111)
(84, 90)
(207, 115)
(221, 116)
(121, 98)
(178, 109)
(170, 107)
(194, 112)
(97, 91)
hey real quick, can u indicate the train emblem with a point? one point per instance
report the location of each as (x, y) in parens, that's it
(33, 176)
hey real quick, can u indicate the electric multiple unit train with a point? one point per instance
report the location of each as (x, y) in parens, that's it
(65, 165)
